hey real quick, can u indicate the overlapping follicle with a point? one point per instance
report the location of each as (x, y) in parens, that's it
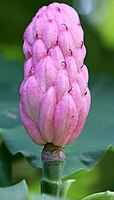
(54, 95)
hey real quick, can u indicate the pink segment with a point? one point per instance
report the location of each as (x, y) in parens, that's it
(54, 95)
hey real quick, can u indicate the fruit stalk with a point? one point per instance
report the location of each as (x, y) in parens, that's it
(53, 162)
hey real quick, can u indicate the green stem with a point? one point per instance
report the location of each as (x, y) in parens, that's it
(53, 161)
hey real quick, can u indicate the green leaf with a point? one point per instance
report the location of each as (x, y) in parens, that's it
(45, 197)
(11, 75)
(99, 178)
(17, 141)
(10, 79)
(101, 196)
(9, 114)
(65, 187)
(15, 192)
(5, 167)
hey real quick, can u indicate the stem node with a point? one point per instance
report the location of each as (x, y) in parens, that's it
(53, 161)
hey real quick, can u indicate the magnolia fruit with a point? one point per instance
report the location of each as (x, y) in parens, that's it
(54, 95)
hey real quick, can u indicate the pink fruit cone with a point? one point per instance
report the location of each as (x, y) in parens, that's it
(54, 96)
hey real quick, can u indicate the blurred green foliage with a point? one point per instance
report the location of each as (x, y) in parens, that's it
(97, 18)
(98, 27)
(14, 18)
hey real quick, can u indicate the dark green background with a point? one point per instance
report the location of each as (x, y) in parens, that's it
(98, 135)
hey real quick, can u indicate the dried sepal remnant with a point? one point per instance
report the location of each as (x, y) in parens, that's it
(54, 95)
